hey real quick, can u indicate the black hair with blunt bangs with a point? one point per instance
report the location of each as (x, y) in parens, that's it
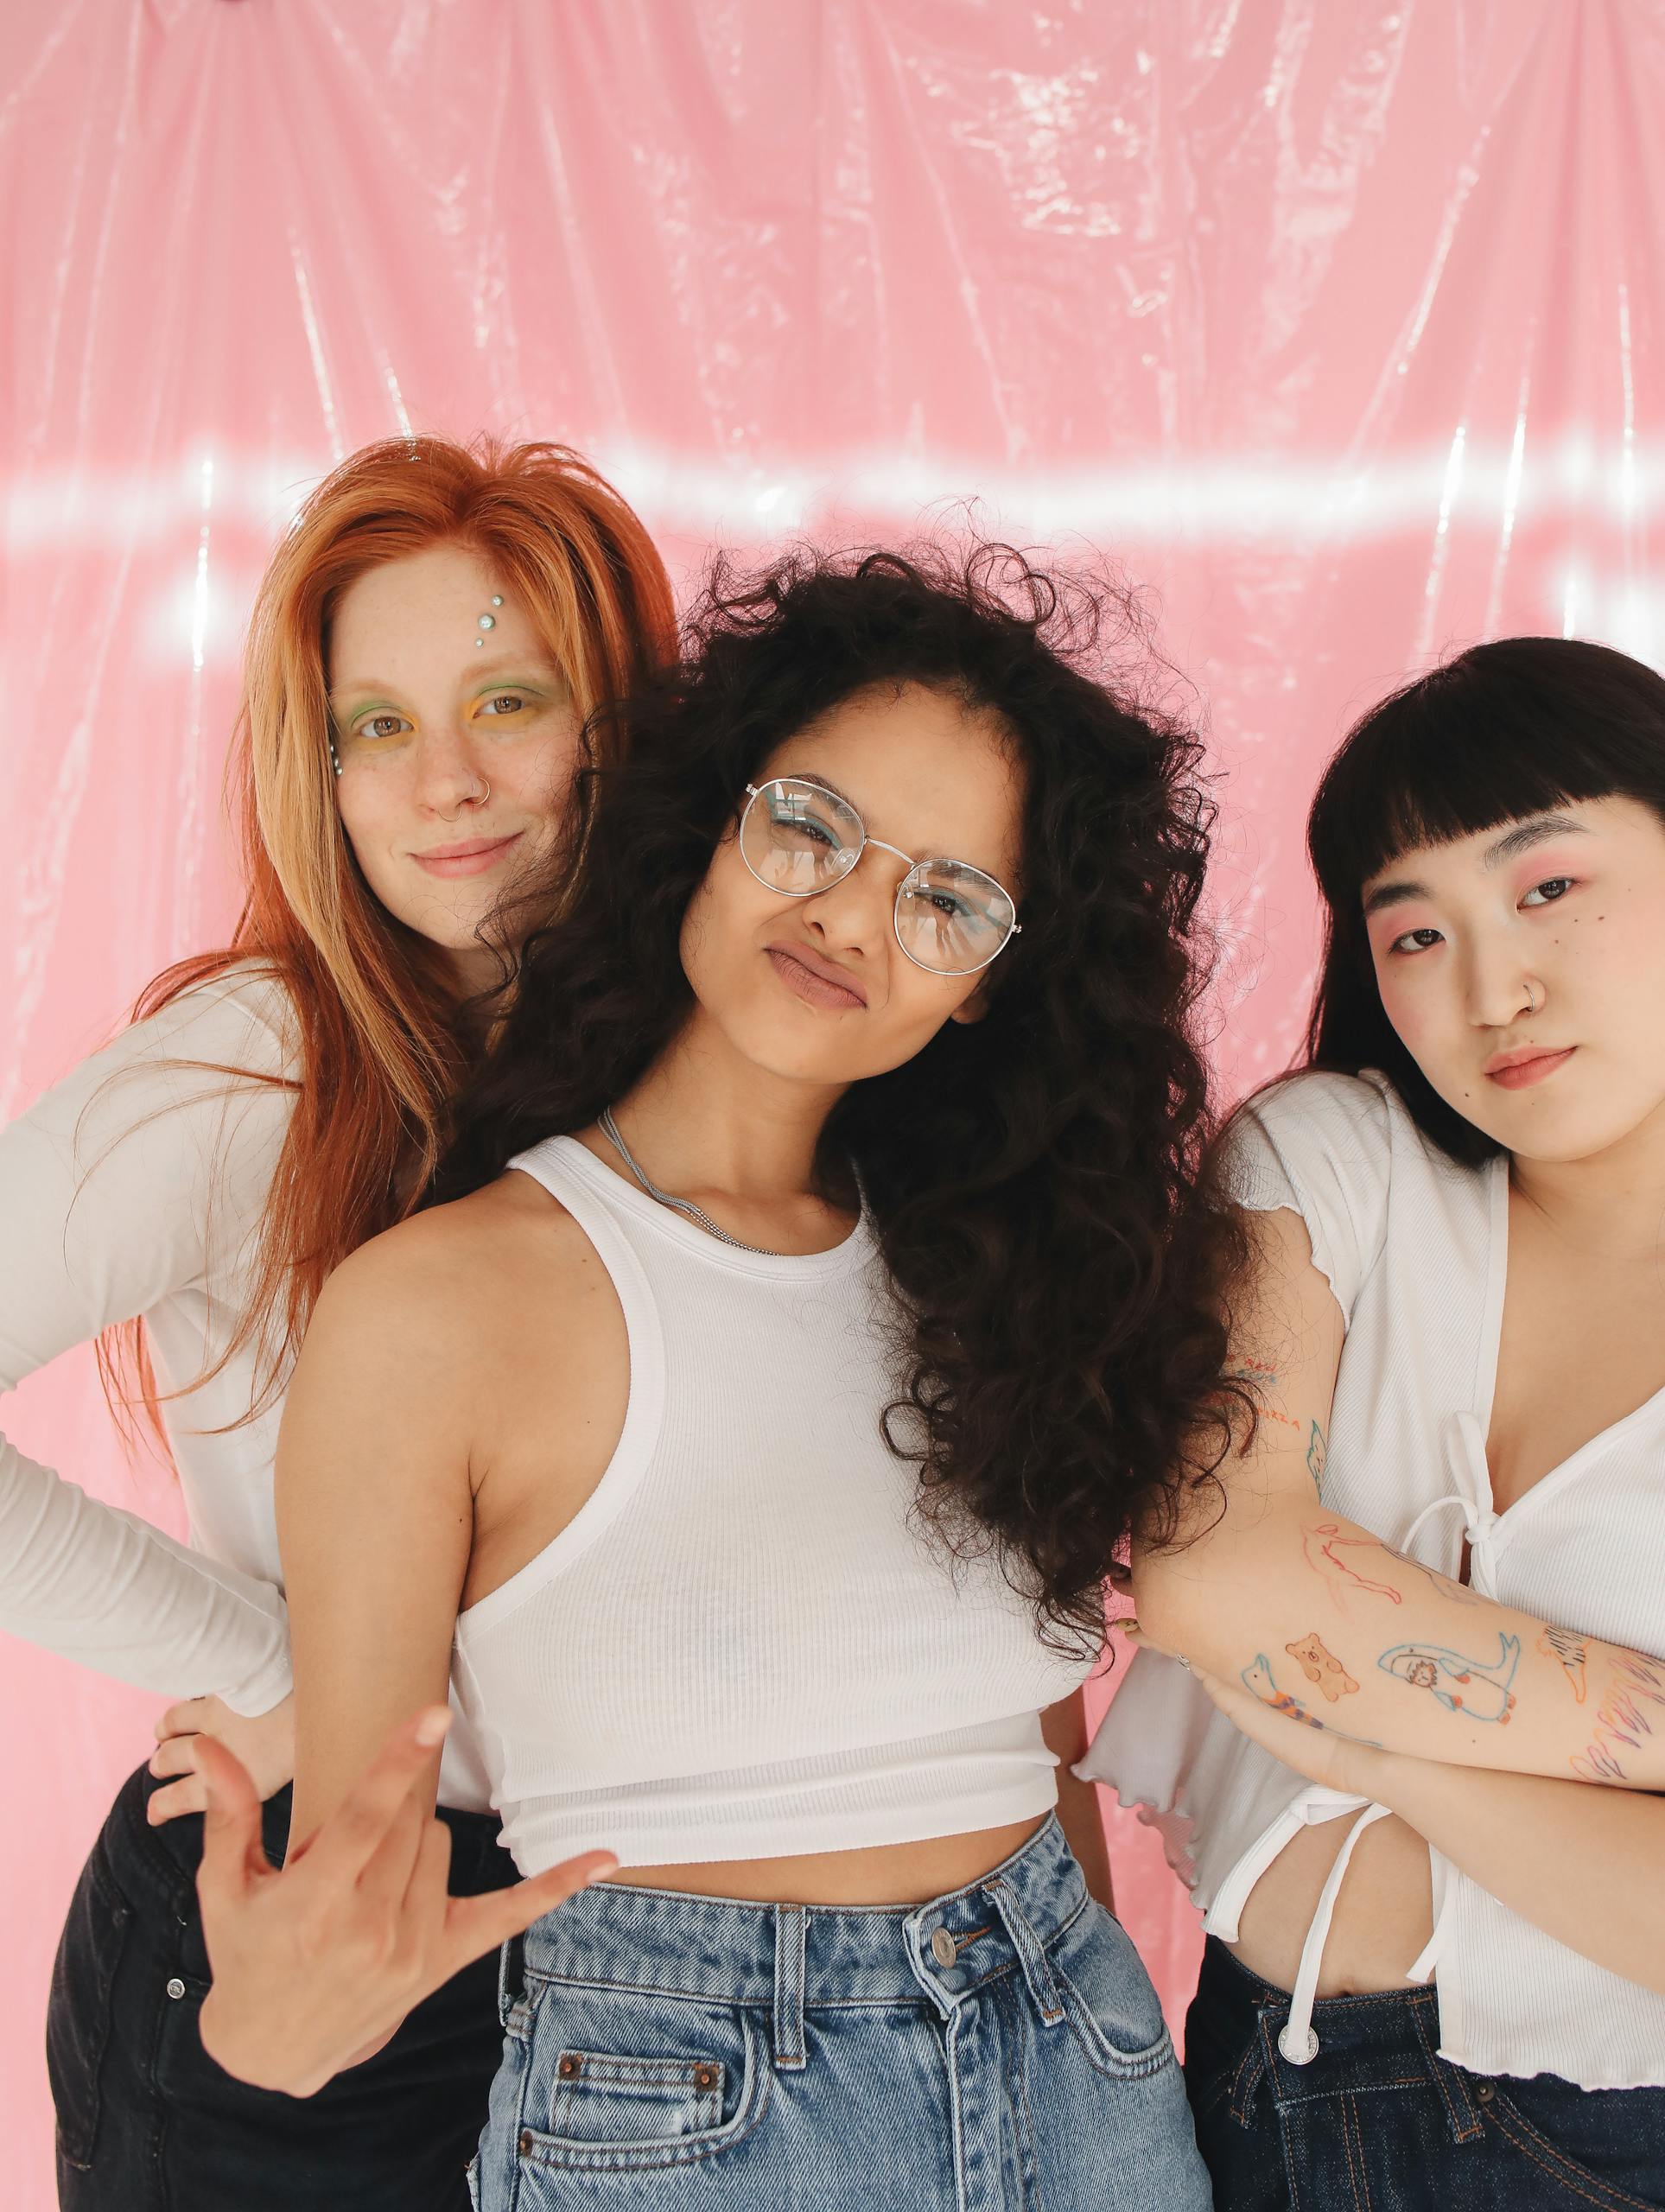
(1032, 1179)
(1504, 730)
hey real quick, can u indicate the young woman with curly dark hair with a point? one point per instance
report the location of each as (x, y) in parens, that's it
(762, 1440)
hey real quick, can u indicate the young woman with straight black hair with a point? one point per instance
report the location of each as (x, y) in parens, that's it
(1435, 1972)
(761, 1439)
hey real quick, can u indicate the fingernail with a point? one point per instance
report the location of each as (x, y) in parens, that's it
(432, 1727)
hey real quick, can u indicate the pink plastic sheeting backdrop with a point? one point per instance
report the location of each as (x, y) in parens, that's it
(1338, 323)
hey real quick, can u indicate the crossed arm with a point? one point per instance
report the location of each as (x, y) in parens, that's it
(1480, 1725)
(1331, 1628)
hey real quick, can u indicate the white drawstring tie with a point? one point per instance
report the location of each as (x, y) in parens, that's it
(1465, 1454)
(1296, 2039)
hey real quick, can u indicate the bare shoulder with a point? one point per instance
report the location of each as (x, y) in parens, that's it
(465, 1291)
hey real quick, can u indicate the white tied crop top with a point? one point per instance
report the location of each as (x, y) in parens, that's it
(743, 1645)
(1414, 1247)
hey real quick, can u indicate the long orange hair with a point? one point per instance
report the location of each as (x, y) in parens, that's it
(378, 1057)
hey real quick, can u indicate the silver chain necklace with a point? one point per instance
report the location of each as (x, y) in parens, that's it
(697, 1215)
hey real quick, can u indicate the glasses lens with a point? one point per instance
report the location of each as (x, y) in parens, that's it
(952, 918)
(798, 839)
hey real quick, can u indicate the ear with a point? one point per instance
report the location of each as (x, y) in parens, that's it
(974, 1009)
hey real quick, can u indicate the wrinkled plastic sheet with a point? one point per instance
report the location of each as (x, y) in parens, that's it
(1336, 325)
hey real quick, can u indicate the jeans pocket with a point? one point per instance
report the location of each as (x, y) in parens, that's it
(80, 2014)
(618, 2083)
(1110, 2000)
(1575, 2177)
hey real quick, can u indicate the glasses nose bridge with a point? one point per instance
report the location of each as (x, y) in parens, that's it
(908, 859)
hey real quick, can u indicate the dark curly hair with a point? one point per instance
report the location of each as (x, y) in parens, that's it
(1031, 1177)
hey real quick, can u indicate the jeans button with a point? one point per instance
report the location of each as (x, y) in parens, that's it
(175, 1986)
(942, 1948)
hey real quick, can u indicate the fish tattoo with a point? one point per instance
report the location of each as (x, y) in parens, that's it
(1257, 1681)
(1479, 1687)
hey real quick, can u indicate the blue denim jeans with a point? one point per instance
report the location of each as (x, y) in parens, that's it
(1379, 2122)
(997, 2048)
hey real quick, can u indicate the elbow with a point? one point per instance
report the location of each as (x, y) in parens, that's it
(1170, 1608)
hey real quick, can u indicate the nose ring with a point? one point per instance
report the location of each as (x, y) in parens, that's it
(1531, 1000)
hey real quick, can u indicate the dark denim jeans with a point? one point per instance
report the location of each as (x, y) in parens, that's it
(1379, 2122)
(147, 2122)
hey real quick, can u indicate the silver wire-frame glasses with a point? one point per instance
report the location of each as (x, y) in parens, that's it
(798, 838)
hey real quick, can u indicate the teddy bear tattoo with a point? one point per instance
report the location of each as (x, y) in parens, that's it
(1322, 1667)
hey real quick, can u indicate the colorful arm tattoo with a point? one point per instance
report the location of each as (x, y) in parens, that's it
(1572, 1652)
(1323, 1544)
(1479, 1687)
(1627, 1712)
(1258, 1682)
(1321, 1666)
(1318, 1452)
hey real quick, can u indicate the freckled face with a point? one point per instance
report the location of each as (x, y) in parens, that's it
(817, 988)
(456, 757)
(1571, 902)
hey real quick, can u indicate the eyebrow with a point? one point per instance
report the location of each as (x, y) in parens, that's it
(1520, 839)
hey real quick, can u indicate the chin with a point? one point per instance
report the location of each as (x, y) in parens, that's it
(1573, 1131)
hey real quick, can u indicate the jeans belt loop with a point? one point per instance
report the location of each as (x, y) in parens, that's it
(1465, 2123)
(1031, 1956)
(790, 1929)
(1251, 2072)
(510, 1976)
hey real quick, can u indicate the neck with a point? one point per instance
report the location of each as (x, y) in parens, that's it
(704, 1118)
(470, 970)
(1611, 1204)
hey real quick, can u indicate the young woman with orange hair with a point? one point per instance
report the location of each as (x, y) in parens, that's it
(426, 646)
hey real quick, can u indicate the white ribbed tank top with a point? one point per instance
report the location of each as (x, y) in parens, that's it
(741, 1646)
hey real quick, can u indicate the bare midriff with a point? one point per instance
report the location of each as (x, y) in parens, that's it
(1384, 1915)
(880, 1874)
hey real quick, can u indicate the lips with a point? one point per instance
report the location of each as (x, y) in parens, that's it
(1527, 1064)
(471, 857)
(817, 982)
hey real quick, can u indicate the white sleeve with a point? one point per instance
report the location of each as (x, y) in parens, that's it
(1321, 1145)
(111, 1187)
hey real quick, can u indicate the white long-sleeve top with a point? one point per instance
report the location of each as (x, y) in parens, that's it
(137, 1186)
(134, 1186)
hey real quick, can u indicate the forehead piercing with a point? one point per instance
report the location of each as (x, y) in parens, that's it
(489, 622)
